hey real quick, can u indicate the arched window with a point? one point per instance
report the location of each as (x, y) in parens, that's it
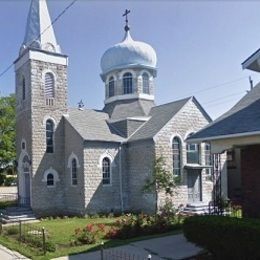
(128, 83)
(74, 172)
(23, 88)
(145, 78)
(111, 87)
(176, 154)
(49, 85)
(49, 136)
(50, 179)
(106, 170)
(208, 158)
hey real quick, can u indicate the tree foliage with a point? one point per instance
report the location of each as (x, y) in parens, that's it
(161, 179)
(7, 132)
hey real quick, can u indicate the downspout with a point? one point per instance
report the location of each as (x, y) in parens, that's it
(120, 178)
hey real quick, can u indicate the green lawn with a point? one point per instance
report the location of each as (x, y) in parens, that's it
(61, 231)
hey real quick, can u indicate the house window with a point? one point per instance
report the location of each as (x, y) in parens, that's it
(176, 153)
(145, 77)
(23, 89)
(49, 85)
(208, 158)
(128, 83)
(106, 170)
(50, 179)
(74, 172)
(193, 153)
(111, 87)
(49, 136)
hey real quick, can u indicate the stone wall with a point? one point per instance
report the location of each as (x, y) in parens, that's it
(74, 194)
(189, 119)
(99, 197)
(140, 158)
(35, 109)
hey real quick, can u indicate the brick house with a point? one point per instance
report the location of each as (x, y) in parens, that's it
(77, 160)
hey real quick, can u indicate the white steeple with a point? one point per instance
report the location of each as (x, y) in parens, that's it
(39, 31)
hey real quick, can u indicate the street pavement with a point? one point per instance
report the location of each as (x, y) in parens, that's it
(168, 247)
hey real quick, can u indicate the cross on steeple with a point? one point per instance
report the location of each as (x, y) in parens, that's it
(126, 19)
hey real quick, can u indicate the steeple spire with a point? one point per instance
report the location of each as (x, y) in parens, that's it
(39, 31)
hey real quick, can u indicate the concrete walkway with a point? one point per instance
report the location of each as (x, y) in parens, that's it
(169, 247)
(6, 254)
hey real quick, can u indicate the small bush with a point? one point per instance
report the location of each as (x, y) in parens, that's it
(12, 231)
(50, 246)
(225, 237)
(86, 235)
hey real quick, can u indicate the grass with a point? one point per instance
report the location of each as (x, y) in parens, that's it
(61, 231)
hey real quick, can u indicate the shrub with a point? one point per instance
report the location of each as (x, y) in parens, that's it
(135, 225)
(225, 237)
(12, 231)
(86, 235)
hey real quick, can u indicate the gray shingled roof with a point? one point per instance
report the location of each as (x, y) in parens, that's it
(243, 118)
(92, 125)
(160, 115)
(128, 108)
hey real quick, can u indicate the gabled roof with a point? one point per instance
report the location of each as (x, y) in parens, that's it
(242, 119)
(160, 115)
(92, 125)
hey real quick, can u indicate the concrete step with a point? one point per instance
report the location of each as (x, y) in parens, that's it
(17, 220)
(16, 214)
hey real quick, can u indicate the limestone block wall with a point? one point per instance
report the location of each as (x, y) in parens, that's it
(38, 111)
(140, 157)
(23, 122)
(99, 197)
(189, 119)
(74, 194)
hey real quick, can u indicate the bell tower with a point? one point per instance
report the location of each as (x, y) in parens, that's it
(41, 102)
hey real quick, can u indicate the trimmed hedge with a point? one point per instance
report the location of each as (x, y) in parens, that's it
(225, 237)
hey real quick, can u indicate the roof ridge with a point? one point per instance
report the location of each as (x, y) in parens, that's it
(165, 104)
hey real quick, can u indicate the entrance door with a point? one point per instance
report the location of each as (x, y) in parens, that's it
(194, 186)
(27, 185)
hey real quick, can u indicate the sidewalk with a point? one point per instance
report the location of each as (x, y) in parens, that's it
(169, 247)
(6, 254)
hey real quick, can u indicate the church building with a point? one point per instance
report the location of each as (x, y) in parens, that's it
(82, 161)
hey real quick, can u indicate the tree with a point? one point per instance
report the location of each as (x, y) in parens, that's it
(161, 180)
(7, 132)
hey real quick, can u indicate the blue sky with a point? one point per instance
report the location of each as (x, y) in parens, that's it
(199, 45)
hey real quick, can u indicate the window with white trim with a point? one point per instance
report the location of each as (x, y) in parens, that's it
(146, 84)
(49, 136)
(128, 83)
(49, 85)
(193, 153)
(74, 172)
(176, 154)
(50, 180)
(106, 171)
(111, 87)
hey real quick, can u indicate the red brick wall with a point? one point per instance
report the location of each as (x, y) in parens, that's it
(250, 174)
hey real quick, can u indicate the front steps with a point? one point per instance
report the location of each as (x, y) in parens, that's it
(15, 214)
(199, 208)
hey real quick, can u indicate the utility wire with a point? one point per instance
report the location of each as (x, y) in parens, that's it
(38, 37)
(224, 97)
